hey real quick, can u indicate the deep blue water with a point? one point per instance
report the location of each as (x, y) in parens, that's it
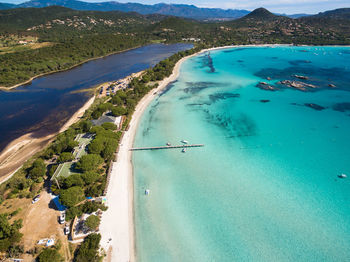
(265, 187)
(44, 105)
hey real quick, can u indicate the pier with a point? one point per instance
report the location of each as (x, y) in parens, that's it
(165, 147)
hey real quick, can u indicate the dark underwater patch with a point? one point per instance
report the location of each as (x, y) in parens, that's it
(207, 61)
(222, 96)
(315, 106)
(341, 107)
(196, 87)
(234, 50)
(264, 101)
(346, 52)
(167, 88)
(239, 126)
(240, 61)
(299, 62)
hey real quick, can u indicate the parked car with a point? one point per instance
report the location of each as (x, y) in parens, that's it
(66, 230)
(62, 218)
(35, 199)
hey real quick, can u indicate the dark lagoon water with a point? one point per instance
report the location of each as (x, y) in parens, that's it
(45, 104)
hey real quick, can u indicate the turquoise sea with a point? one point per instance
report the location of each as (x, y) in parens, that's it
(265, 187)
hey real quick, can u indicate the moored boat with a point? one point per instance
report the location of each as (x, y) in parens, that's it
(342, 176)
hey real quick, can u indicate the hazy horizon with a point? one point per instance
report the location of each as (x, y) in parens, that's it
(277, 6)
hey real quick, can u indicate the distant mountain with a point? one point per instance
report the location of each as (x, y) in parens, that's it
(261, 14)
(187, 11)
(341, 13)
(4, 6)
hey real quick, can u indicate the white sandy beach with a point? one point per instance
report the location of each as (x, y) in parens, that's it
(117, 222)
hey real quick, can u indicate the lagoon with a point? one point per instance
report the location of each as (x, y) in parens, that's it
(44, 105)
(265, 186)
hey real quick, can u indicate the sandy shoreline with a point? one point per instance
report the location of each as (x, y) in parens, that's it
(21, 149)
(117, 222)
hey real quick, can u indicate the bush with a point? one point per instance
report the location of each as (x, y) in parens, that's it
(109, 126)
(52, 169)
(74, 211)
(88, 251)
(71, 196)
(85, 125)
(50, 255)
(65, 157)
(90, 177)
(9, 234)
(73, 180)
(96, 146)
(92, 222)
(118, 111)
(38, 169)
(92, 206)
(89, 162)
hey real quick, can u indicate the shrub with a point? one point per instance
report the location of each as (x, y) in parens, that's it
(50, 255)
(71, 196)
(65, 157)
(88, 251)
(92, 222)
(90, 177)
(89, 162)
(73, 180)
(109, 126)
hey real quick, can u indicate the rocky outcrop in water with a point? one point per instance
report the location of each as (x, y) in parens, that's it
(266, 86)
(315, 106)
(297, 85)
(301, 77)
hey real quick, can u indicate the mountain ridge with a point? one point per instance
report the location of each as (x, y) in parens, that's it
(181, 10)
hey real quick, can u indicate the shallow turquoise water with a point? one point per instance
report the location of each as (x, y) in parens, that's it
(265, 186)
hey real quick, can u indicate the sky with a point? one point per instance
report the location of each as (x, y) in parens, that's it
(277, 6)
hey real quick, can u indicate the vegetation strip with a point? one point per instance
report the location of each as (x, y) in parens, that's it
(87, 177)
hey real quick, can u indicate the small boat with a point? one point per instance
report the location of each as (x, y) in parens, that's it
(168, 144)
(183, 150)
(342, 176)
(184, 141)
(147, 192)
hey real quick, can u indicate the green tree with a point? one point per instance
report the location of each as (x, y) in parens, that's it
(65, 157)
(71, 196)
(88, 251)
(118, 111)
(90, 177)
(50, 255)
(92, 222)
(117, 100)
(9, 234)
(85, 125)
(109, 126)
(73, 180)
(96, 146)
(38, 169)
(89, 162)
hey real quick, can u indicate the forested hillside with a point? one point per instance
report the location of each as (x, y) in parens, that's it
(70, 37)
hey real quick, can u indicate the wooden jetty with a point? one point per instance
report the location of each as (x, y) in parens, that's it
(164, 147)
